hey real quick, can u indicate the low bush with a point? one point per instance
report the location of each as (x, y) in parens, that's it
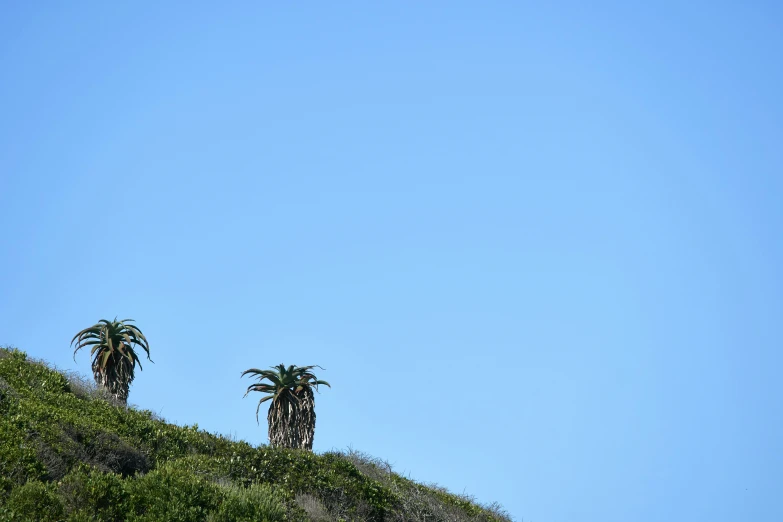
(87, 492)
(34, 501)
(171, 494)
(255, 503)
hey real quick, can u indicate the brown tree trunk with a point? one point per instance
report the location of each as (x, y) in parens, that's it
(114, 379)
(292, 421)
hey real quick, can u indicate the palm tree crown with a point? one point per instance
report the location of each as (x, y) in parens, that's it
(114, 357)
(291, 413)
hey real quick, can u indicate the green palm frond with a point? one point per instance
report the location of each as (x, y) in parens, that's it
(113, 349)
(284, 382)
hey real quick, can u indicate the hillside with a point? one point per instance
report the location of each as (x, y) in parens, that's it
(68, 453)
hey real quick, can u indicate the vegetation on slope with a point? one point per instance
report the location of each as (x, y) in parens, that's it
(70, 451)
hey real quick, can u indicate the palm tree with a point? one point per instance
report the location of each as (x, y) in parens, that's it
(291, 414)
(114, 357)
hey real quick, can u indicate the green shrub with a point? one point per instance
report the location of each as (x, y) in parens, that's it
(258, 502)
(87, 492)
(18, 459)
(34, 501)
(330, 478)
(171, 494)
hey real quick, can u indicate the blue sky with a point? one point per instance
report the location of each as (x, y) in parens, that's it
(537, 248)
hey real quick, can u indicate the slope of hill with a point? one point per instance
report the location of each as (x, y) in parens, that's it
(68, 453)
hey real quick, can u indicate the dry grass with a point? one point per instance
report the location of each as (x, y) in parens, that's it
(419, 502)
(314, 508)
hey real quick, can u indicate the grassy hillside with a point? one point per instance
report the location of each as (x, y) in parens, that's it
(68, 453)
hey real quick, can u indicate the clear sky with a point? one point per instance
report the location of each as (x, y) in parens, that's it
(536, 246)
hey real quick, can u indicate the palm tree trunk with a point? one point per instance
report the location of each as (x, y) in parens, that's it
(118, 390)
(306, 423)
(292, 421)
